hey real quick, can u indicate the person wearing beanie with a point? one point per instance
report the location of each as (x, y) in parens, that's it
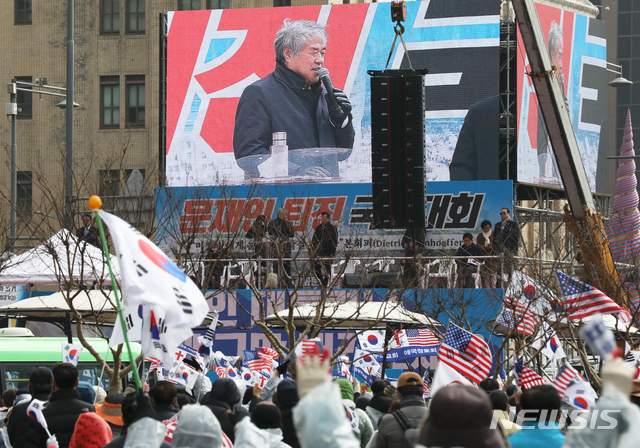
(380, 403)
(63, 410)
(40, 387)
(500, 405)
(91, 431)
(266, 416)
(111, 411)
(540, 402)
(287, 392)
(461, 416)
(100, 394)
(224, 401)
(391, 433)
(365, 428)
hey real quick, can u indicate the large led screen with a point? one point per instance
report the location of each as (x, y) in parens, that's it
(577, 47)
(226, 97)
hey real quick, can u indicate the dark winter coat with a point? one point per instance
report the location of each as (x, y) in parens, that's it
(61, 414)
(225, 416)
(325, 240)
(390, 433)
(289, 435)
(164, 412)
(281, 102)
(18, 425)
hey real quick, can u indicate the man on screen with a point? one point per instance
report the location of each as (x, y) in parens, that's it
(292, 99)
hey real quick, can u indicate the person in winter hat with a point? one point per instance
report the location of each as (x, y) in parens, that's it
(224, 401)
(266, 416)
(380, 403)
(461, 416)
(360, 422)
(411, 392)
(91, 432)
(287, 398)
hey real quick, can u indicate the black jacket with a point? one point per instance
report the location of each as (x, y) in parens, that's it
(225, 416)
(280, 102)
(281, 233)
(61, 414)
(19, 420)
(289, 435)
(164, 412)
(92, 237)
(507, 238)
(325, 240)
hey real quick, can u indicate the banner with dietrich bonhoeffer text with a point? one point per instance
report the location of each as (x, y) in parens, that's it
(453, 208)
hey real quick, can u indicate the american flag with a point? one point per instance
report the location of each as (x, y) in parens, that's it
(155, 362)
(221, 367)
(425, 386)
(525, 377)
(566, 375)
(267, 353)
(582, 300)
(421, 337)
(255, 362)
(465, 353)
(309, 347)
(517, 316)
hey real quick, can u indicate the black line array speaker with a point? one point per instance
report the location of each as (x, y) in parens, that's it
(397, 149)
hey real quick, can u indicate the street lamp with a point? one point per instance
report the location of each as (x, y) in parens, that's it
(619, 80)
(11, 109)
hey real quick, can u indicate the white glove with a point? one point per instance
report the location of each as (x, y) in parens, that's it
(311, 371)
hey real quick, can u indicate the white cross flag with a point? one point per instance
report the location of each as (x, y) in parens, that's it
(151, 279)
(71, 352)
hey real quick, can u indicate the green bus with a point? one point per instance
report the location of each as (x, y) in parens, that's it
(19, 356)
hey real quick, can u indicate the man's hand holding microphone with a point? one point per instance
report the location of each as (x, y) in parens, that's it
(337, 101)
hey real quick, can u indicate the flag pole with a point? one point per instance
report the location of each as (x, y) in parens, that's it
(95, 203)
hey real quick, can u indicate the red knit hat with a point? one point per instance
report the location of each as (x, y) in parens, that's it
(91, 431)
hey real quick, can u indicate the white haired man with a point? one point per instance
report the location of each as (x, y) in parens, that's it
(292, 99)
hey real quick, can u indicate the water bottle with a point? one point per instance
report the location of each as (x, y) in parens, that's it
(280, 155)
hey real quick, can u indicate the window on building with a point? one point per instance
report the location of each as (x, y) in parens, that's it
(23, 12)
(281, 2)
(109, 102)
(109, 182)
(110, 17)
(135, 16)
(24, 99)
(135, 101)
(24, 191)
(188, 5)
(217, 4)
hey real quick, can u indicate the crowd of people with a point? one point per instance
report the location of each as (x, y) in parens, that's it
(309, 410)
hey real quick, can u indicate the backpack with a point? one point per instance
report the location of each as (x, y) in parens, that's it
(410, 433)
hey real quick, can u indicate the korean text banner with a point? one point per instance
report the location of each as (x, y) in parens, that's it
(453, 208)
(577, 48)
(215, 57)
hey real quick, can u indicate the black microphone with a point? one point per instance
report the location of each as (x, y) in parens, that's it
(323, 73)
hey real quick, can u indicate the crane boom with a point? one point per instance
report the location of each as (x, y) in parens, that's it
(582, 221)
